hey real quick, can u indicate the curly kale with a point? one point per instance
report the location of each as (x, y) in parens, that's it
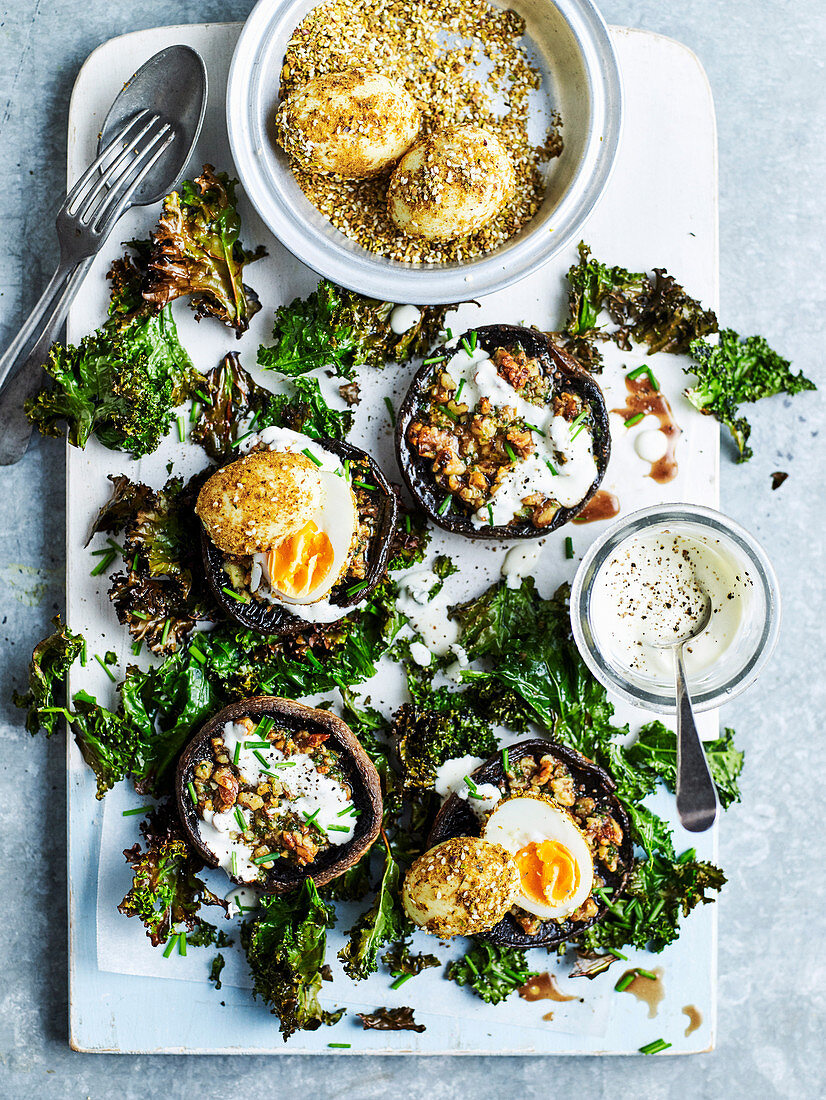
(400, 960)
(303, 409)
(491, 971)
(51, 660)
(166, 894)
(390, 1019)
(427, 736)
(338, 328)
(285, 946)
(216, 968)
(196, 251)
(737, 371)
(120, 384)
(382, 924)
(654, 755)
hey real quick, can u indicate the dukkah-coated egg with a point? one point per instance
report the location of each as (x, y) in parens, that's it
(353, 124)
(450, 184)
(462, 886)
(556, 868)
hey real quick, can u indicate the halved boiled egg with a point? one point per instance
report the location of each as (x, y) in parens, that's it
(555, 865)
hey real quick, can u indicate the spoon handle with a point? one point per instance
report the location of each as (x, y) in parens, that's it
(697, 804)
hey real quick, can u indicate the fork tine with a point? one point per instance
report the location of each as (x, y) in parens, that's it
(90, 173)
(120, 168)
(111, 210)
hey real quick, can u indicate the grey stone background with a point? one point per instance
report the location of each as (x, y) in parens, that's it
(765, 62)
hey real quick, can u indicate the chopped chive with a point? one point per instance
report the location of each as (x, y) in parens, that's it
(471, 786)
(237, 442)
(551, 467)
(310, 819)
(450, 415)
(433, 359)
(617, 954)
(647, 974)
(624, 981)
(239, 596)
(233, 864)
(342, 1046)
(196, 653)
(687, 855)
(348, 810)
(206, 400)
(533, 428)
(347, 467)
(170, 945)
(264, 763)
(101, 553)
(194, 412)
(490, 515)
(257, 745)
(656, 910)
(115, 546)
(578, 419)
(271, 857)
(635, 419)
(286, 764)
(459, 391)
(312, 457)
(401, 980)
(360, 587)
(576, 433)
(236, 756)
(569, 547)
(182, 944)
(140, 615)
(84, 655)
(655, 1047)
(633, 374)
(338, 828)
(449, 333)
(106, 668)
(471, 965)
(193, 794)
(136, 810)
(505, 761)
(103, 564)
(391, 411)
(408, 526)
(264, 726)
(474, 337)
(167, 626)
(181, 429)
(364, 485)
(510, 452)
(444, 507)
(134, 565)
(239, 817)
(314, 661)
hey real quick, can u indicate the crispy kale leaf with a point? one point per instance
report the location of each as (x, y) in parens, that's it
(737, 371)
(390, 1019)
(121, 383)
(161, 594)
(338, 328)
(215, 970)
(166, 893)
(107, 741)
(382, 924)
(401, 960)
(51, 660)
(591, 284)
(304, 409)
(442, 729)
(654, 754)
(491, 971)
(285, 946)
(196, 251)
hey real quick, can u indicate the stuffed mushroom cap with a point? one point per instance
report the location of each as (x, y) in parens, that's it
(450, 184)
(353, 124)
(463, 886)
(253, 504)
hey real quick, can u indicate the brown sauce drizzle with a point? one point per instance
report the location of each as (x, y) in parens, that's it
(695, 1018)
(602, 505)
(650, 991)
(548, 1016)
(642, 398)
(543, 988)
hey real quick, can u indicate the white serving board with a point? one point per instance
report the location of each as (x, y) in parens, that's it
(660, 209)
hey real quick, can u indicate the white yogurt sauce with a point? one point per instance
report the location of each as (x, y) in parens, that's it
(450, 779)
(651, 591)
(428, 619)
(571, 455)
(308, 791)
(403, 318)
(520, 562)
(420, 654)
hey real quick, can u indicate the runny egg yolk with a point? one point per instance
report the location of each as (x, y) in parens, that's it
(300, 562)
(549, 872)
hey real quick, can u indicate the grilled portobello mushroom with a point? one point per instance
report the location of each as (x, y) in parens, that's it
(455, 818)
(379, 500)
(530, 361)
(354, 762)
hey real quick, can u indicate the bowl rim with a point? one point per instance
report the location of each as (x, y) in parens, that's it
(426, 284)
(596, 555)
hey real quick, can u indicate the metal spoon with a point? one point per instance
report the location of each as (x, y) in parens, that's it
(697, 803)
(172, 84)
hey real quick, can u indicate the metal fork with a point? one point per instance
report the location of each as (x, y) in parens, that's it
(88, 215)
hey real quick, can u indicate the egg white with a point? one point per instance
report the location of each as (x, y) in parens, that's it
(519, 821)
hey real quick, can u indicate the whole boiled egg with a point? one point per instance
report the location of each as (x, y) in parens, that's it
(555, 865)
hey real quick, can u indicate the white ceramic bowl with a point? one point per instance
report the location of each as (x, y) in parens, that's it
(581, 80)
